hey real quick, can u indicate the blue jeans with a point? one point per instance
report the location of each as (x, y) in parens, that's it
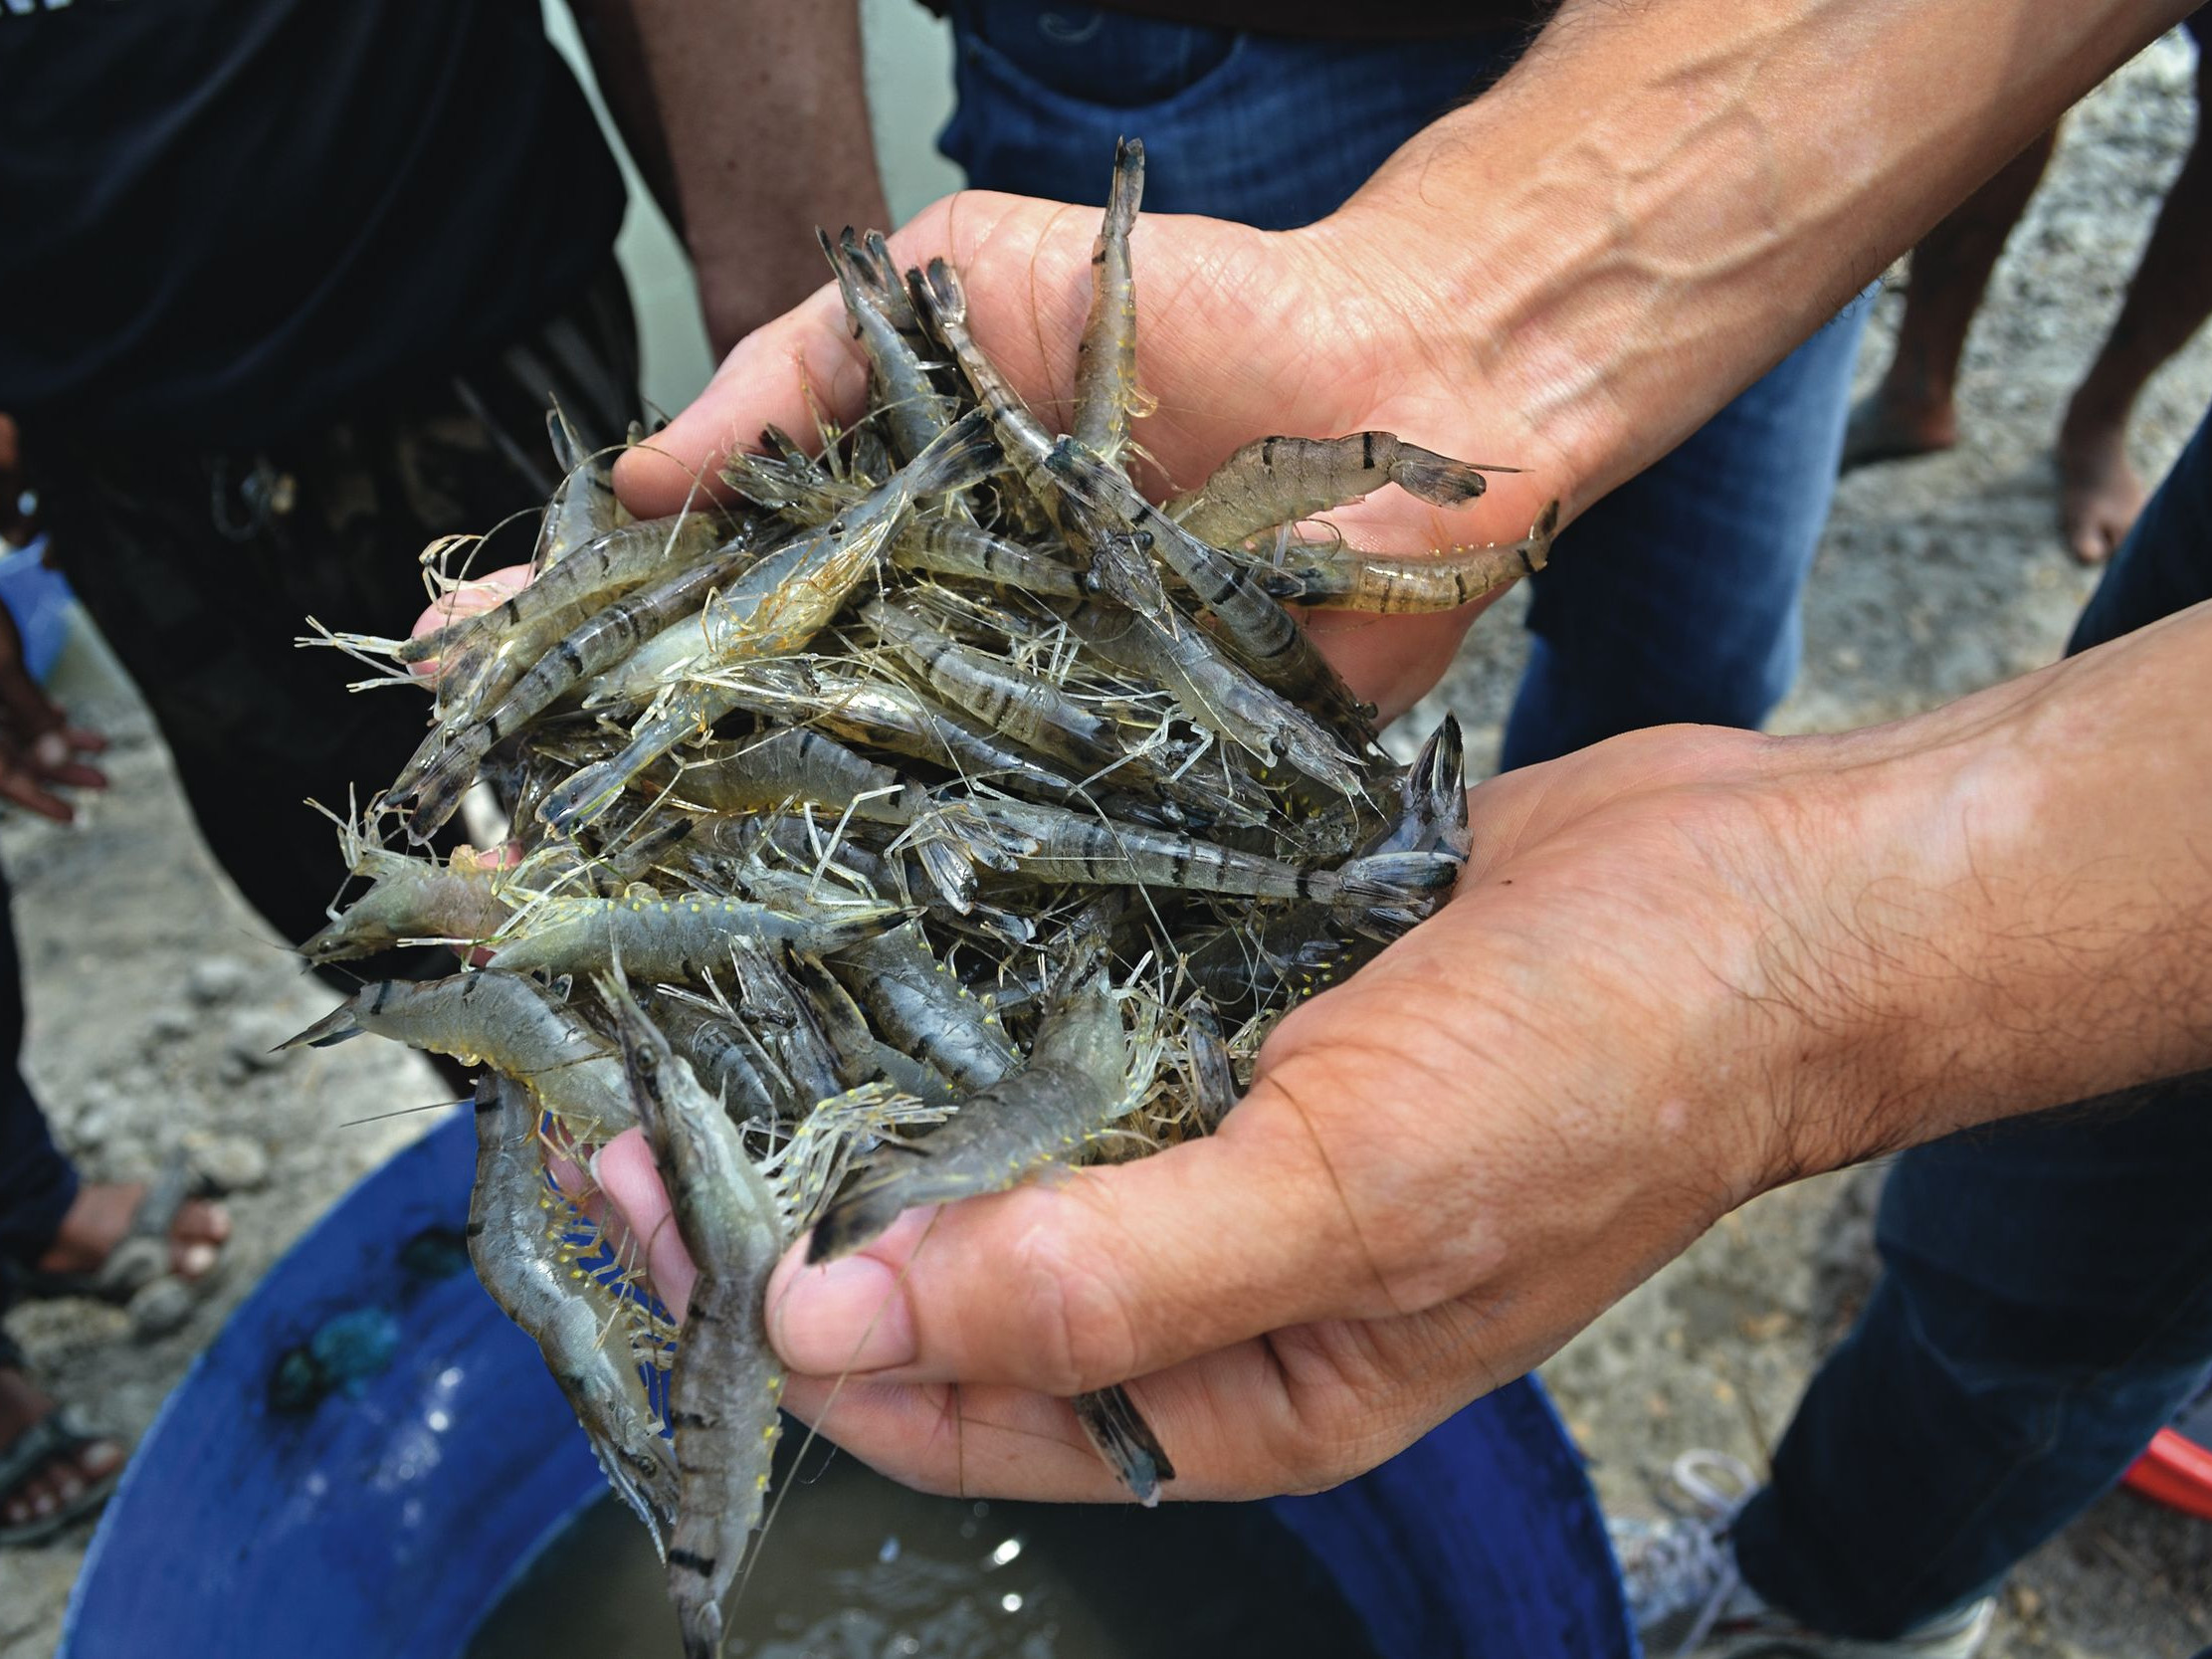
(1675, 597)
(2046, 1301)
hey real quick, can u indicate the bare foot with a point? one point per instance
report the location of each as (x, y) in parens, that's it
(51, 1485)
(1885, 427)
(99, 1220)
(2098, 492)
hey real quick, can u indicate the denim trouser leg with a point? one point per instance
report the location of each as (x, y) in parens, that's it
(2046, 1304)
(37, 1183)
(1674, 598)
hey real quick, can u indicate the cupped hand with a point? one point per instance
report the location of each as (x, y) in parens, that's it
(1241, 334)
(1444, 1168)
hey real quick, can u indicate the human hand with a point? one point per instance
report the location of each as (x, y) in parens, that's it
(1444, 1167)
(40, 750)
(1241, 334)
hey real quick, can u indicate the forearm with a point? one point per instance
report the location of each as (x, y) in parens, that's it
(2016, 907)
(1661, 201)
(763, 110)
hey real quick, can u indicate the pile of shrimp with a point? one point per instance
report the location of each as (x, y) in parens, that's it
(938, 812)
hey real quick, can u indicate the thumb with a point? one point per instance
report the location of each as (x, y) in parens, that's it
(1105, 1275)
(786, 373)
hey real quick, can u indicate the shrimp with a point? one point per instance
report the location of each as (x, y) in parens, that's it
(508, 1023)
(1266, 635)
(1051, 844)
(1079, 1078)
(1033, 712)
(410, 898)
(683, 937)
(1279, 481)
(726, 1386)
(528, 1274)
(943, 304)
(790, 764)
(584, 508)
(1124, 1441)
(913, 410)
(1106, 355)
(948, 548)
(441, 770)
(1335, 578)
(735, 1216)
(922, 1010)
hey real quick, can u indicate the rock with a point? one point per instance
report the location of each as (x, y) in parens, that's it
(230, 1163)
(160, 1307)
(252, 1036)
(172, 1024)
(215, 979)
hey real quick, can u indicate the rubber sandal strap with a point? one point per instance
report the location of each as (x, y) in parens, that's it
(60, 1434)
(140, 1256)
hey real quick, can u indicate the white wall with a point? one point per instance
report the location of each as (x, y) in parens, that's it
(909, 94)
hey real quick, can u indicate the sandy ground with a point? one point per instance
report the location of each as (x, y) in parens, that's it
(155, 993)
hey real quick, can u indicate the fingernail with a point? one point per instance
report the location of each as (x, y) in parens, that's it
(51, 750)
(848, 1316)
(196, 1259)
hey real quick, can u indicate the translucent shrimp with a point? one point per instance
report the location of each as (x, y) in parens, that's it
(913, 410)
(584, 508)
(1106, 355)
(511, 1024)
(1339, 579)
(1279, 481)
(679, 938)
(529, 1273)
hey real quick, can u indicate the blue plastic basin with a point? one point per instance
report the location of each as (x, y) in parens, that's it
(369, 1453)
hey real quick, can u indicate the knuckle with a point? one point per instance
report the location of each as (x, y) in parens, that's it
(1077, 1329)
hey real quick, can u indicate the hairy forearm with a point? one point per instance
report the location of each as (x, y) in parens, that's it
(1661, 201)
(2013, 908)
(764, 112)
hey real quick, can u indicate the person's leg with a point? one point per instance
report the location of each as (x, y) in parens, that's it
(2047, 1298)
(37, 1183)
(1911, 412)
(2046, 1306)
(202, 570)
(2167, 301)
(1675, 597)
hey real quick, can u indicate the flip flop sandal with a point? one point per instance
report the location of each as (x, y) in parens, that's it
(62, 1434)
(139, 1257)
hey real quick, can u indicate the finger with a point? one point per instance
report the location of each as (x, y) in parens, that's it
(765, 381)
(471, 599)
(22, 788)
(84, 740)
(632, 1182)
(1105, 1275)
(74, 775)
(1296, 1411)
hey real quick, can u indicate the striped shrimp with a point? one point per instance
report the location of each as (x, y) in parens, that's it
(1080, 1076)
(442, 768)
(947, 548)
(1106, 355)
(920, 1009)
(584, 508)
(913, 410)
(409, 899)
(1279, 481)
(1051, 844)
(508, 1023)
(1333, 577)
(1264, 635)
(529, 1273)
(683, 937)
(735, 1216)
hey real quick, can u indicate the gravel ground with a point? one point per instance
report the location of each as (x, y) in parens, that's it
(155, 993)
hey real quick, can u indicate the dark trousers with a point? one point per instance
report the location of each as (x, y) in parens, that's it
(201, 568)
(2046, 1298)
